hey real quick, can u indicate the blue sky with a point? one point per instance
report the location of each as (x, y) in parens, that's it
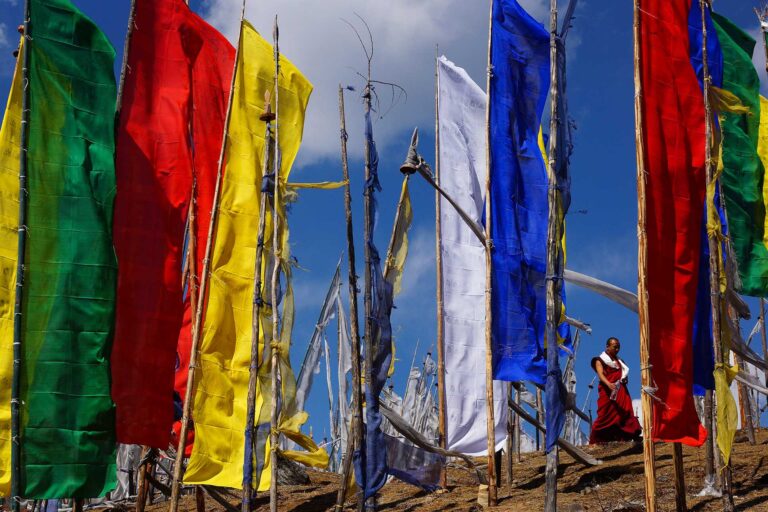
(602, 223)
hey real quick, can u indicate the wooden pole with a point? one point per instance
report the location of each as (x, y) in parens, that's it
(124, 66)
(20, 267)
(761, 16)
(274, 436)
(518, 430)
(714, 264)
(189, 395)
(489, 412)
(441, 404)
(554, 261)
(199, 499)
(511, 419)
(143, 482)
(355, 440)
(649, 456)
(255, 362)
(370, 504)
(709, 448)
(677, 457)
(539, 415)
(764, 337)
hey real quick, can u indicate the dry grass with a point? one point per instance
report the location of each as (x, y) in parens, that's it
(616, 485)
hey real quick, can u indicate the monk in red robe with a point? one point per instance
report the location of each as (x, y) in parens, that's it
(616, 421)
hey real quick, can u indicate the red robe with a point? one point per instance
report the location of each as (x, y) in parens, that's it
(616, 420)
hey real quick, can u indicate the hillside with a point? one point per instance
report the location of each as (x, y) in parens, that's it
(616, 485)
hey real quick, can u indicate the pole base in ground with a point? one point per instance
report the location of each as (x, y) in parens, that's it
(709, 488)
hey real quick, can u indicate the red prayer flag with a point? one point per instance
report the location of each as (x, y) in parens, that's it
(674, 137)
(169, 133)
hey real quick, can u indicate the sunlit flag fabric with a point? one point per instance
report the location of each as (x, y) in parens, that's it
(742, 177)
(10, 146)
(219, 410)
(674, 141)
(67, 416)
(519, 209)
(462, 110)
(703, 351)
(175, 96)
(743, 172)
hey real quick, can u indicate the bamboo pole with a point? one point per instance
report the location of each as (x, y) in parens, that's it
(441, 404)
(764, 337)
(646, 379)
(126, 51)
(189, 395)
(714, 264)
(368, 205)
(554, 261)
(199, 499)
(255, 361)
(539, 415)
(511, 419)
(489, 412)
(761, 16)
(677, 457)
(517, 431)
(355, 440)
(143, 482)
(274, 436)
(709, 448)
(20, 267)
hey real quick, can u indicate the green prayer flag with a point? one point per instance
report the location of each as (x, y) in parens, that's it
(67, 429)
(743, 171)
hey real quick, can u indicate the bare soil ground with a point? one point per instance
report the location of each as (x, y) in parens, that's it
(615, 485)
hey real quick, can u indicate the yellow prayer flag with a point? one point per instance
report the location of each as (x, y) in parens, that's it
(10, 144)
(762, 152)
(220, 405)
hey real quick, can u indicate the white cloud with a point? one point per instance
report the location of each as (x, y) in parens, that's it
(315, 38)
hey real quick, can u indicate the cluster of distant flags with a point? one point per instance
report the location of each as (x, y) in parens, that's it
(93, 353)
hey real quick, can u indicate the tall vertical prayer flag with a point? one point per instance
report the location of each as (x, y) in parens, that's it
(10, 146)
(742, 177)
(703, 348)
(221, 393)
(519, 209)
(461, 115)
(170, 129)
(371, 468)
(743, 171)
(674, 144)
(67, 442)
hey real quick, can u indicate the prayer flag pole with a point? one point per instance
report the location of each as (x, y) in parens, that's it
(441, 405)
(490, 423)
(355, 440)
(189, 395)
(255, 362)
(764, 337)
(714, 264)
(19, 291)
(761, 16)
(274, 435)
(370, 503)
(554, 261)
(649, 455)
